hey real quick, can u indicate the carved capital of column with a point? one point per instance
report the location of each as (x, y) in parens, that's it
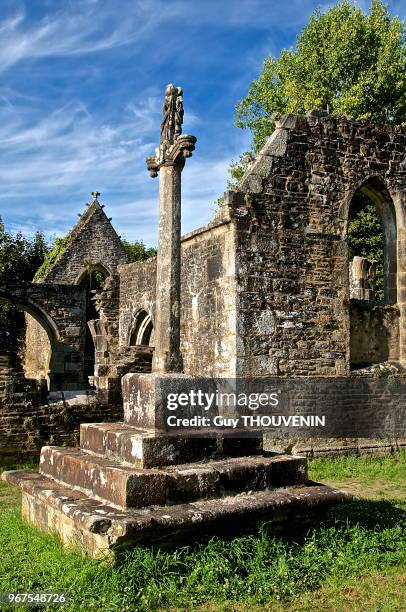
(171, 154)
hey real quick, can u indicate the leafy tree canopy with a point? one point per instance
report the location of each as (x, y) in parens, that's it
(20, 256)
(19, 259)
(137, 251)
(345, 60)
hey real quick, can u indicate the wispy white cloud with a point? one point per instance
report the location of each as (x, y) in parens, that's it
(51, 164)
(62, 148)
(80, 28)
(76, 29)
(59, 140)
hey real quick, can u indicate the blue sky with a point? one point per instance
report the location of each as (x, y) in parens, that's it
(81, 89)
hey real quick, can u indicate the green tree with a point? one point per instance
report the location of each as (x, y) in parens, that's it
(137, 250)
(345, 60)
(19, 259)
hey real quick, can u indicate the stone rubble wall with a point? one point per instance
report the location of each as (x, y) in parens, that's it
(374, 333)
(291, 211)
(30, 419)
(105, 329)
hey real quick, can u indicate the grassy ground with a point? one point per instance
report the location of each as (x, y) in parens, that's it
(354, 561)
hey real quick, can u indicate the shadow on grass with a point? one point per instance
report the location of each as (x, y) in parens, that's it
(351, 539)
(356, 515)
(368, 514)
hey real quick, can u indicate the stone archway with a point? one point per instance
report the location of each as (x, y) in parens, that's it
(142, 330)
(376, 192)
(48, 328)
(90, 268)
(59, 310)
(374, 318)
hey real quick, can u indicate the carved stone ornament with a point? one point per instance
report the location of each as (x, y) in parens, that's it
(174, 146)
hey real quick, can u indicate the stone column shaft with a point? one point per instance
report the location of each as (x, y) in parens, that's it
(167, 356)
(168, 162)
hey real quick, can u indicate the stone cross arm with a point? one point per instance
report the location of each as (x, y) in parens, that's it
(182, 148)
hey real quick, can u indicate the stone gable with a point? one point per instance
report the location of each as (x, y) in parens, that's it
(93, 242)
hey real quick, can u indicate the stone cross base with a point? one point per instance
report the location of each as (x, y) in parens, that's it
(100, 507)
(134, 483)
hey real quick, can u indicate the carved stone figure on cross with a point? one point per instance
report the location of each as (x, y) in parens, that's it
(171, 126)
(174, 147)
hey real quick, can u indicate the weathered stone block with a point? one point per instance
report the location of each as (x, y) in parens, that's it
(102, 478)
(99, 529)
(146, 448)
(145, 396)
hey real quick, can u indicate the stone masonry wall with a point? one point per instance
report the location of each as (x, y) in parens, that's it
(137, 291)
(374, 333)
(37, 354)
(60, 310)
(208, 308)
(291, 211)
(208, 299)
(92, 242)
(29, 419)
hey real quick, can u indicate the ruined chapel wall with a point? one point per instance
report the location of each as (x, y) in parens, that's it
(374, 333)
(37, 354)
(92, 241)
(27, 423)
(207, 300)
(292, 256)
(60, 311)
(208, 310)
(137, 291)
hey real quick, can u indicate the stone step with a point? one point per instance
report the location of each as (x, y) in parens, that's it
(98, 528)
(141, 448)
(124, 487)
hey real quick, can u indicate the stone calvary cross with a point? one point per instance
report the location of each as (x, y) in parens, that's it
(169, 160)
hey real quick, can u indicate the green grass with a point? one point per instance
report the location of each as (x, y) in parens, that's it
(387, 466)
(10, 496)
(367, 477)
(354, 560)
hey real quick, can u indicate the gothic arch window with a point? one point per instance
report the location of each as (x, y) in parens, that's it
(372, 249)
(39, 358)
(372, 235)
(94, 274)
(142, 330)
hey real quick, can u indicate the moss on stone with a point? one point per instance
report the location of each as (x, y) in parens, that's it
(52, 257)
